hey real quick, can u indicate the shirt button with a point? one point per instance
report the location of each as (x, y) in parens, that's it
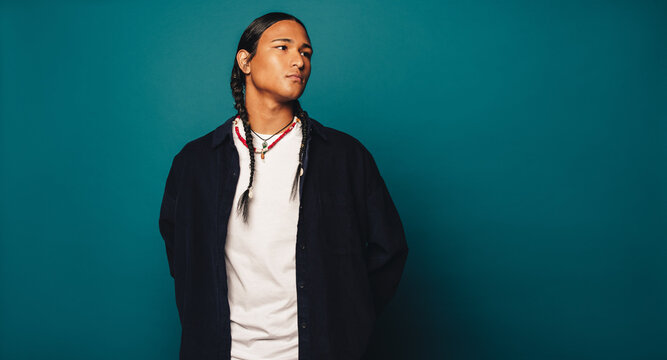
(302, 246)
(301, 284)
(303, 325)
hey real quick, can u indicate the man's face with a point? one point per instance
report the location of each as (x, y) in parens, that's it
(281, 65)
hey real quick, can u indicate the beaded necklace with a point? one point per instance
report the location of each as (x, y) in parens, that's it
(265, 146)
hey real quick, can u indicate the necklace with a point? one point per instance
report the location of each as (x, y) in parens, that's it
(269, 138)
(265, 146)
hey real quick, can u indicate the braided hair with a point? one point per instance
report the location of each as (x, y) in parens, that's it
(248, 42)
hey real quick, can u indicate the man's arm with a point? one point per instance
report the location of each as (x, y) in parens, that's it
(166, 221)
(387, 249)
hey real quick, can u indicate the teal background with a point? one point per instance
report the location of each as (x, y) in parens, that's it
(524, 144)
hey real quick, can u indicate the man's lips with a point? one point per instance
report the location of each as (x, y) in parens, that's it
(295, 77)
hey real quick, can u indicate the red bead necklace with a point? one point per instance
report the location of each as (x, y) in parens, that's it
(265, 146)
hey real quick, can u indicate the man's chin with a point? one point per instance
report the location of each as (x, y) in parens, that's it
(292, 96)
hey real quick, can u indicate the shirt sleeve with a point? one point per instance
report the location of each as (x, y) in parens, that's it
(387, 249)
(167, 209)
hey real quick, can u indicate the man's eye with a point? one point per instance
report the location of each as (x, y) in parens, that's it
(307, 54)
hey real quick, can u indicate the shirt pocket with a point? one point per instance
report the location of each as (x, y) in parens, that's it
(339, 223)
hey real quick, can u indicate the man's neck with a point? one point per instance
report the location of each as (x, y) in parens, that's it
(266, 116)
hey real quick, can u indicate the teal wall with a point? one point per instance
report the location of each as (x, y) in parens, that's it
(524, 144)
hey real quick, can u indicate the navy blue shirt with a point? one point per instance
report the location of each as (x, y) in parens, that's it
(350, 244)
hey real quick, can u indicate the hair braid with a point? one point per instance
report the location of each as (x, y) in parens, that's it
(303, 116)
(237, 85)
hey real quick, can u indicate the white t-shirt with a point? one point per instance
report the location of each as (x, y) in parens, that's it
(260, 255)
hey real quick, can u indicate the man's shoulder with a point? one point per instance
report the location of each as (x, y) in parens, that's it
(203, 145)
(197, 147)
(349, 152)
(341, 140)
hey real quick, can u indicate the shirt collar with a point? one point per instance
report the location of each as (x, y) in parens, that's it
(224, 131)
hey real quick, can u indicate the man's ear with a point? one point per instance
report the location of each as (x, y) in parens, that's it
(242, 59)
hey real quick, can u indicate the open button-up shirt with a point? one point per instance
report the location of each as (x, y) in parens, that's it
(350, 244)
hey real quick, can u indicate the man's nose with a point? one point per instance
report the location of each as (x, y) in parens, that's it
(298, 60)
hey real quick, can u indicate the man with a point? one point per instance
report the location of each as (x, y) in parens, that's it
(287, 250)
